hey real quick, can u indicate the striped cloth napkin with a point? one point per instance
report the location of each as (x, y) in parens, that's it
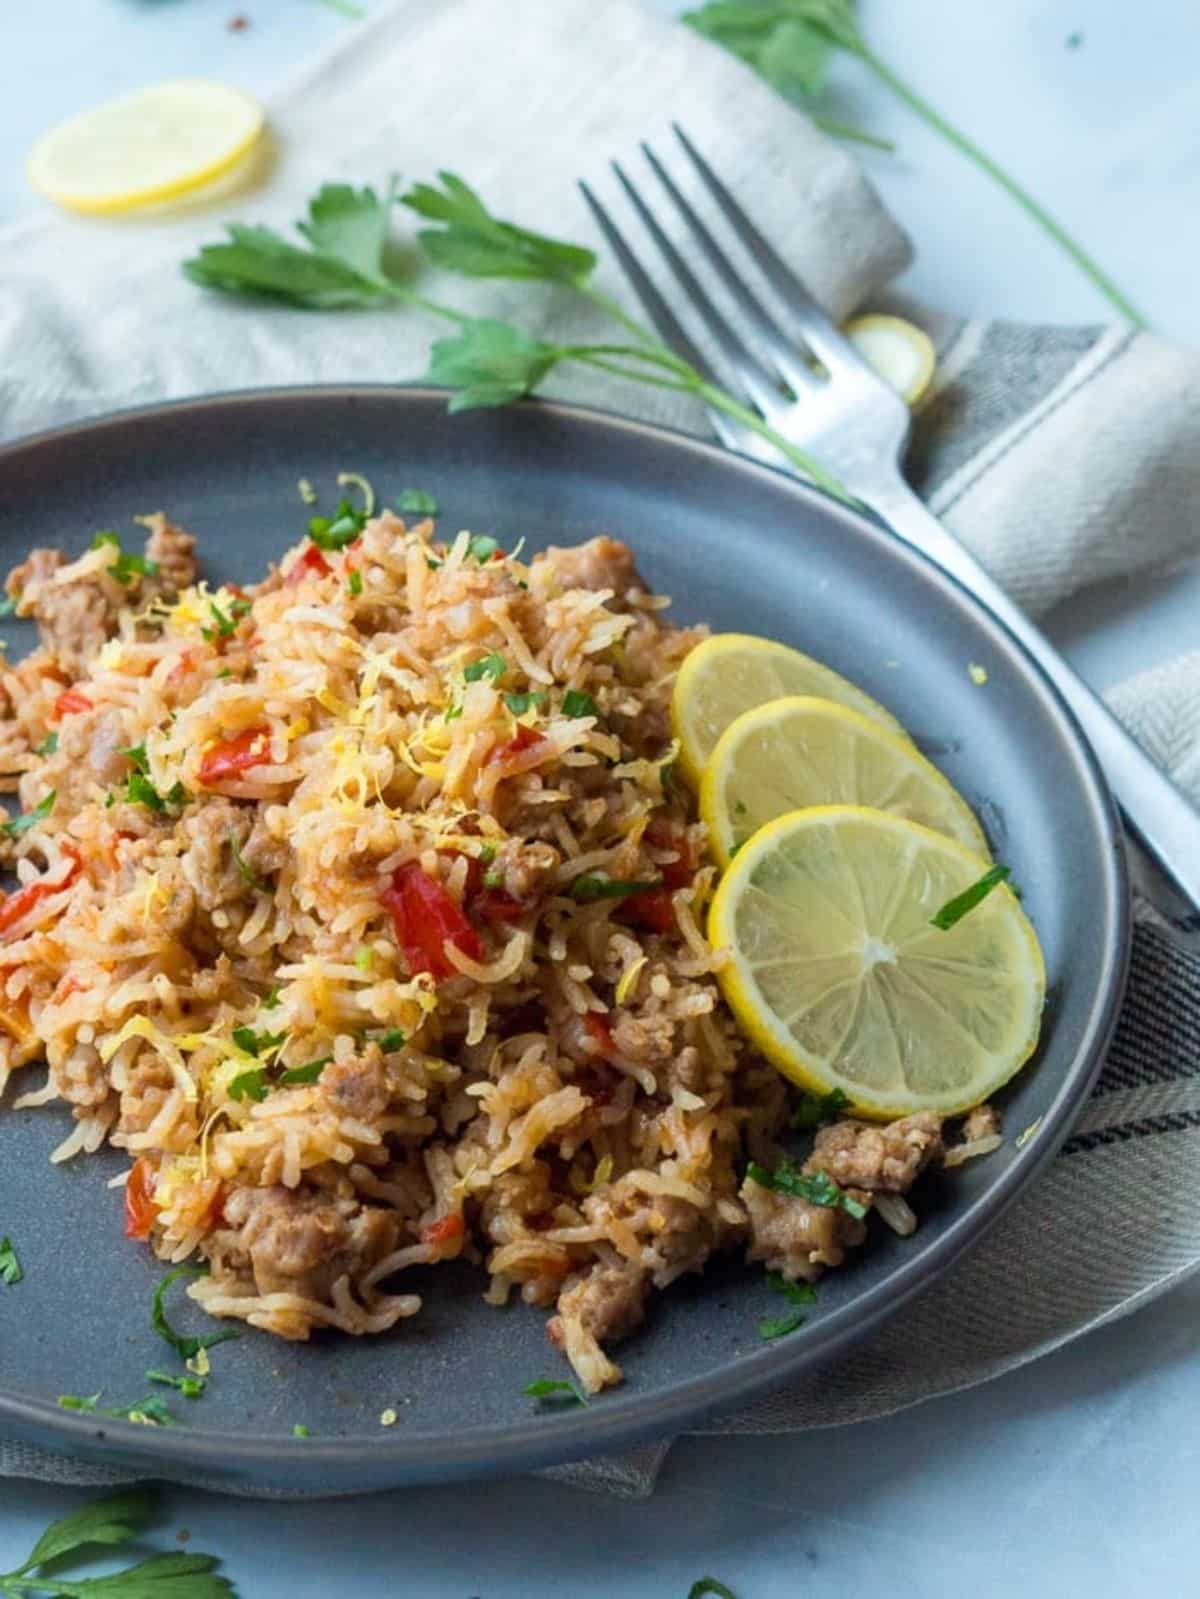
(1059, 455)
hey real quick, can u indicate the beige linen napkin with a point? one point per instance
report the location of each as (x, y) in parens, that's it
(1058, 455)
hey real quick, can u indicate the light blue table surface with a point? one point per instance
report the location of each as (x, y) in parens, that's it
(1080, 1473)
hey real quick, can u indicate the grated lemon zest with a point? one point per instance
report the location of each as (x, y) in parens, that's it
(389, 1418)
(629, 978)
(142, 1027)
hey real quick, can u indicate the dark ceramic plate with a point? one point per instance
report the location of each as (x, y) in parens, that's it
(737, 546)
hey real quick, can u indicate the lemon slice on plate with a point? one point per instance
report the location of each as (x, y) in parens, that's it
(146, 147)
(733, 672)
(801, 751)
(900, 352)
(839, 977)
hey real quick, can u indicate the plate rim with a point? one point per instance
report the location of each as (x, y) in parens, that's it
(549, 1439)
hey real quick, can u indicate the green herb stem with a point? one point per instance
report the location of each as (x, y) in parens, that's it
(843, 130)
(993, 170)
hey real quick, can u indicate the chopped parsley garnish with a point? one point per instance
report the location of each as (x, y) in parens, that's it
(16, 825)
(556, 1391)
(493, 666)
(10, 1266)
(418, 501)
(48, 746)
(247, 873)
(795, 1293)
(955, 909)
(336, 531)
(189, 1387)
(813, 1109)
(482, 547)
(272, 999)
(487, 854)
(493, 879)
(354, 583)
(364, 957)
(577, 703)
(9, 604)
(125, 567)
(300, 1431)
(780, 1326)
(251, 1084)
(257, 1043)
(739, 808)
(710, 1585)
(185, 1345)
(139, 790)
(817, 1187)
(308, 1073)
(391, 1040)
(151, 1411)
(225, 624)
(518, 704)
(589, 886)
(453, 714)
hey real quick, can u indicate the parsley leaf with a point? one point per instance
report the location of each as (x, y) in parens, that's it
(817, 1187)
(479, 245)
(226, 625)
(518, 704)
(780, 1326)
(272, 1000)
(151, 1411)
(418, 502)
(490, 363)
(798, 1293)
(355, 583)
(556, 1391)
(482, 547)
(125, 567)
(813, 1109)
(391, 1040)
(105, 1524)
(589, 886)
(710, 1585)
(336, 531)
(185, 1345)
(308, 1073)
(250, 1084)
(300, 1431)
(351, 226)
(10, 1266)
(955, 909)
(16, 825)
(48, 746)
(493, 666)
(257, 1043)
(139, 790)
(189, 1387)
(577, 703)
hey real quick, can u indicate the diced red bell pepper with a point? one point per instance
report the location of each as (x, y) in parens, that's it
(447, 1230)
(15, 906)
(601, 1030)
(140, 1209)
(525, 738)
(655, 910)
(495, 905)
(426, 918)
(70, 703)
(236, 755)
(309, 563)
(677, 873)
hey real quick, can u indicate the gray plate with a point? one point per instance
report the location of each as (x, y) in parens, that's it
(739, 547)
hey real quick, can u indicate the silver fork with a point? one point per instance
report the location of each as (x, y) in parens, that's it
(833, 405)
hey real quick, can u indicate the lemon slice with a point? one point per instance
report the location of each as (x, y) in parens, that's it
(901, 353)
(802, 751)
(838, 976)
(145, 147)
(733, 672)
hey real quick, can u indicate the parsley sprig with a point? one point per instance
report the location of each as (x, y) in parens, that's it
(817, 1187)
(186, 1346)
(791, 44)
(126, 567)
(98, 1527)
(485, 362)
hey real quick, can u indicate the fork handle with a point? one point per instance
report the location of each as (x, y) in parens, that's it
(1156, 814)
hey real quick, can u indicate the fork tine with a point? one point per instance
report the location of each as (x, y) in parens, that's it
(791, 367)
(761, 384)
(659, 312)
(821, 333)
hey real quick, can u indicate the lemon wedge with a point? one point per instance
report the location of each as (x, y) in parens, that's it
(733, 672)
(899, 351)
(838, 976)
(802, 751)
(145, 147)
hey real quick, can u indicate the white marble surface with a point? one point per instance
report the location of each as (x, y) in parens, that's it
(1082, 1471)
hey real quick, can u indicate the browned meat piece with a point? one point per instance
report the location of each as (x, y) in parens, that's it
(609, 1303)
(302, 1243)
(171, 550)
(209, 863)
(526, 870)
(358, 1087)
(648, 1040)
(601, 563)
(74, 619)
(794, 1237)
(884, 1160)
(106, 744)
(983, 1122)
(686, 1240)
(263, 853)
